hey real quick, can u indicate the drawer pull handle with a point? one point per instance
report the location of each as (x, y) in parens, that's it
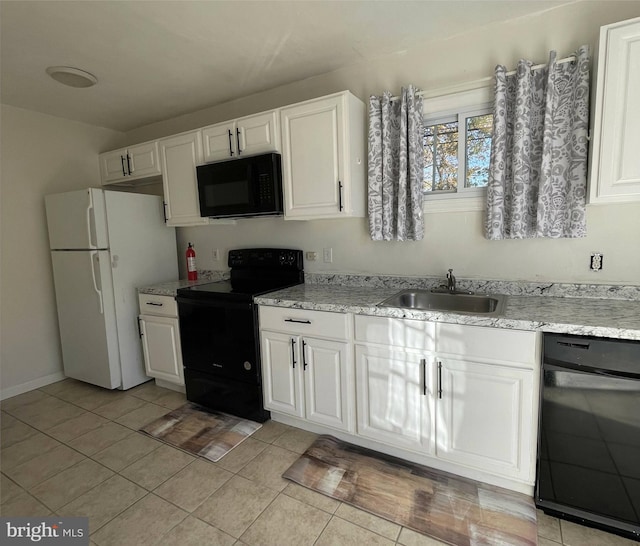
(155, 304)
(297, 321)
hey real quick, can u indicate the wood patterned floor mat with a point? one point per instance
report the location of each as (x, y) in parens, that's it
(202, 432)
(449, 508)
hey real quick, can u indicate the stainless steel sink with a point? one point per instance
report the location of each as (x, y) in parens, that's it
(425, 300)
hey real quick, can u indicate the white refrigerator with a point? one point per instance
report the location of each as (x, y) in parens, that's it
(105, 244)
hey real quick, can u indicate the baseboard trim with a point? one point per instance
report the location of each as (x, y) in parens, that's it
(10, 392)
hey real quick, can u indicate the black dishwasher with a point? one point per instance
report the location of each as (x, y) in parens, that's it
(588, 466)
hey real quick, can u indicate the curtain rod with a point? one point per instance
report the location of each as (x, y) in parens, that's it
(569, 59)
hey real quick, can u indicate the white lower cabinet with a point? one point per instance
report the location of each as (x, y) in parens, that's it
(306, 376)
(459, 398)
(485, 417)
(160, 336)
(393, 393)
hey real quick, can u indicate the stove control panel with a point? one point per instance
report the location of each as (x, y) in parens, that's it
(266, 258)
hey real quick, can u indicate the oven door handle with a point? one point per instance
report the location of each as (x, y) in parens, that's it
(214, 304)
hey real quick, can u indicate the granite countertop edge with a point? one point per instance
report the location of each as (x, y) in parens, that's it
(581, 316)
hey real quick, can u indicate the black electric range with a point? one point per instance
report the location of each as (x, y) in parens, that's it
(219, 330)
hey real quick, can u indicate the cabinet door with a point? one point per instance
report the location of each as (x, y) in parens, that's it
(161, 348)
(485, 417)
(392, 406)
(312, 158)
(282, 373)
(615, 169)
(220, 141)
(179, 156)
(143, 160)
(113, 166)
(326, 382)
(258, 134)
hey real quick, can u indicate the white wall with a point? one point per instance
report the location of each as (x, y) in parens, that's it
(40, 154)
(453, 239)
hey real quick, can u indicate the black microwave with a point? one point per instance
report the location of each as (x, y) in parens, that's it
(250, 186)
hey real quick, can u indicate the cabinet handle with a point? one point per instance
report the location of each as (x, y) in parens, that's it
(124, 172)
(154, 303)
(293, 353)
(230, 144)
(340, 207)
(304, 358)
(440, 380)
(139, 328)
(423, 363)
(129, 163)
(238, 140)
(297, 321)
(164, 211)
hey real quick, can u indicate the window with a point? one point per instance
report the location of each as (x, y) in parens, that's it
(457, 147)
(457, 160)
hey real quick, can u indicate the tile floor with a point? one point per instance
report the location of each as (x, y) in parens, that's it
(73, 449)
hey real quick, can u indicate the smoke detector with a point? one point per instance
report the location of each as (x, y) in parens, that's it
(72, 77)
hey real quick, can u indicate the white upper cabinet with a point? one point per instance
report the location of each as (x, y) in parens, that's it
(246, 136)
(323, 163)
(615, 169)
(128, 164)
(179, 155)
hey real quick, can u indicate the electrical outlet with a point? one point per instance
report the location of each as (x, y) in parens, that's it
(215, 254)
(327, 255)
(596, 261)
(311, 256)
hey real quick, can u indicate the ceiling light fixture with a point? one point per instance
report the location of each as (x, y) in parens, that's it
(73, 77)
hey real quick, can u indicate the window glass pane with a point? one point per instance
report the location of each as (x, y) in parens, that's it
(441, 156)
(478, 150)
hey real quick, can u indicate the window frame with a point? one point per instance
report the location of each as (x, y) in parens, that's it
(457, 103)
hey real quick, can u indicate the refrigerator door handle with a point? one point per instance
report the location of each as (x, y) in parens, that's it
(93, 256)
(91, 222)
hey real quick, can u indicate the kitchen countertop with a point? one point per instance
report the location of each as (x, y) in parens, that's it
(581, 316)
(170, 288)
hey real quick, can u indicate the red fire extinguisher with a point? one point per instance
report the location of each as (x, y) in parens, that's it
(192, 272)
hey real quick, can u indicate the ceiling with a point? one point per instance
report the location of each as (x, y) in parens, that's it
(156, 60)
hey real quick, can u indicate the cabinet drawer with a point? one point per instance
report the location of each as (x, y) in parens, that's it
(490, 343)
(414, 334)
(300, 321)
(165, 306)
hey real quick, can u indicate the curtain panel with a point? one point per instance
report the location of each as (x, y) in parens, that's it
(538, 169)
(395, 168)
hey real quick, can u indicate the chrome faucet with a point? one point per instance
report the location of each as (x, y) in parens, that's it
(451, 281)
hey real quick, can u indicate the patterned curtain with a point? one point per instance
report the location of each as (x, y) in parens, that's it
(396, 164)
(538, 170)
